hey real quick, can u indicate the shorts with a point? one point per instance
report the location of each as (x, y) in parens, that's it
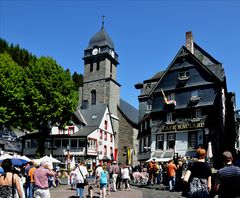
(103, 186)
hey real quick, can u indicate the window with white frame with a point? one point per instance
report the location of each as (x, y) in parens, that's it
(194, 94)
(198, 113)
(159, 141)
(28, 144)
(192, 139)
(171, 140)
(73, 143)
(70, 130)
(183, 74)
(171, 97)
(169, 117)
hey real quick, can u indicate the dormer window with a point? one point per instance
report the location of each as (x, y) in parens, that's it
(195, 96)
(198, 113)
(169, 119)
(183, 75)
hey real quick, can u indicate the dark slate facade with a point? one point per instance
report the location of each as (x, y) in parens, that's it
(186, 106)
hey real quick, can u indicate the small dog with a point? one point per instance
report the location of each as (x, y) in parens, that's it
(90, 191)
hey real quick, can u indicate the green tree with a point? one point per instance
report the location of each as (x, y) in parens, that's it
(13, 107)
(77, 79)
(36, 96)
(52, 95)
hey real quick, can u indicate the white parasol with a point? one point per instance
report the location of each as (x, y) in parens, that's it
(209, 150)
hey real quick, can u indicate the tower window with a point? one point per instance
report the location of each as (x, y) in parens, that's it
(111, 67)
(91, 66)
(93, 97)
(98, 64)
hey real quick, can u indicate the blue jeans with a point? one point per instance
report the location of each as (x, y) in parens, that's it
(31, 190)
(80, 192)
(172, 181)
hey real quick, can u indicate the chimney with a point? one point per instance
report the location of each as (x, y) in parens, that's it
(189, 42)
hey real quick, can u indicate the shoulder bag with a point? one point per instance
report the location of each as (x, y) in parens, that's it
(85, 181)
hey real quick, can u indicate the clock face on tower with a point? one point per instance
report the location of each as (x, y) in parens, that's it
(95, 51)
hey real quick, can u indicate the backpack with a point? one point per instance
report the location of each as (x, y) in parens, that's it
(198, 188)
(119, 173)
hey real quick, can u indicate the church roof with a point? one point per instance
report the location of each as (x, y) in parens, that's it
(100, 39)
(130, 112)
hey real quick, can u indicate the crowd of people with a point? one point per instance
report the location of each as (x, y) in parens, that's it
(194, 179)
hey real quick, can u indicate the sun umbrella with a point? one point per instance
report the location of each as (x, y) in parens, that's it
(16, 161)
(24, 157)
(5, 156)
(72, 163)
(209, 151)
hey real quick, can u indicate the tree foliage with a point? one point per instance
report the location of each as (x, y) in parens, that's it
(77, 79)
(35, 93)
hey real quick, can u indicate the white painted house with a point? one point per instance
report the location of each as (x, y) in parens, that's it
(90, 137)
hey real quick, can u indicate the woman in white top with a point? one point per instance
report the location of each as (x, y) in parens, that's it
(126, 177)
(81, 173)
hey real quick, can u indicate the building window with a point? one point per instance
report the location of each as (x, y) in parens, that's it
(60, 131)
(171, 140)
(149, 141)
(111, 138)
(105, 136)
(70, 130)
(111, 150)
(198, 113)
(159, 141)
(149, 107)
(65, 143)
(105, 149)
(98, 64)
(93, 97)
(73, 143)
(91, 66)
(106, 124)
(192, 140)
(194, 94)
(81, 143)
(57, 143)
(28, 144)
(171, 97)
(140, 146)
(101, 135)
(183, 75)
(111, 66)
(169, 117)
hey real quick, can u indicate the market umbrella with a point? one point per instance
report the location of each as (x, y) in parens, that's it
(5, 156)
(16, 161)
(209, 150)
(24, 157)
(72, 163)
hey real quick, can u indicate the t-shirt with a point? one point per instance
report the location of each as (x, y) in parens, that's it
(103, 177)
(171, 169)
(200, 170)
(229, 180)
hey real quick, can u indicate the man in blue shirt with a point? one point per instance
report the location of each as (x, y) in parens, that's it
(228, 178)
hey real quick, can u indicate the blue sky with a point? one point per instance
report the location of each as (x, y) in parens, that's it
(147, 34)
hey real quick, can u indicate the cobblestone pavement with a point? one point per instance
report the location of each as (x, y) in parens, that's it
(64, 191)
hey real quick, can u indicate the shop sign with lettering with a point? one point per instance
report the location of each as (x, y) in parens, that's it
(179, 127)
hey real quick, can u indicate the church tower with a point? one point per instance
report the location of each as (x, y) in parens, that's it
(100, 84)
